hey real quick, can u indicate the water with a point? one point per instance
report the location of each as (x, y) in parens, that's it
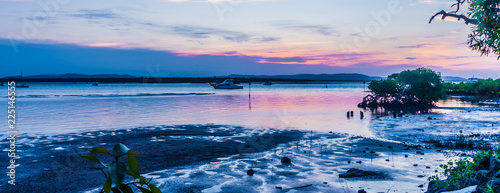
(59, 108)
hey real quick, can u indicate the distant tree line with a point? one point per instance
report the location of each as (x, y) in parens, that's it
(484, 88)
(150, 80)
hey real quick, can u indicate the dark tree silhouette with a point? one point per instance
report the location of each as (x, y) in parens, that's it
(484, 15)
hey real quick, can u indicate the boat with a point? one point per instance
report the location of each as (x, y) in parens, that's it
(95, 84)
(22, 85)
(268, 83)
(227, 84)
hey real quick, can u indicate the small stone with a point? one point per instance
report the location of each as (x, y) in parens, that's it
(250, 172)
(420, 152)
(325, 182)
(415, 165)
(349, 161)
(421, 186)
(420, 176)
(387, 160)
(429, 118)
(362, 191)
(428, 167)
(286, 161)
(359, 162)
(406, 155)
(279, 187)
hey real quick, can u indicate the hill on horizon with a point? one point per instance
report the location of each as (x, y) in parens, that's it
(317, 77)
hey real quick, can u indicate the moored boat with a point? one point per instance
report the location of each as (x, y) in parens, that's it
(227, 84)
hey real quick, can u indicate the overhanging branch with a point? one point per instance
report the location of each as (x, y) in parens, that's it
(459, 17)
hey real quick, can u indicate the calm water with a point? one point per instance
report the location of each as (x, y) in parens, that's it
(58, 108)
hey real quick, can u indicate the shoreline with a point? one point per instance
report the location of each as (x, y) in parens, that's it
(56, 164)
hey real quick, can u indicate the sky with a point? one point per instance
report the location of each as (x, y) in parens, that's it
(221, 37)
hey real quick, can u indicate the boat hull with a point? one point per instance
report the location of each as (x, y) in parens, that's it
(225, 87)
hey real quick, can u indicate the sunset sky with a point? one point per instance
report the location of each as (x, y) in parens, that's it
(215, 37)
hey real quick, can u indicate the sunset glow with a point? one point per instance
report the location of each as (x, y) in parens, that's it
(375, 38)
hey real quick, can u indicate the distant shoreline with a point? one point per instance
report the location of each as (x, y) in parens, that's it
(178, 80)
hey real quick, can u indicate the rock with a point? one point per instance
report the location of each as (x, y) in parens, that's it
(472, 182)
(359, 162)
(429, 118)
(387, 160)
(420, 176)
(286, 161)
(431, 186)
(494, 165)
(354, 172)
(279, 187)
(325, 182)
(421, 185)
(470, 189)
(250, 172)
(482, 176)
(420, 152)
(428, 167)
(415, 165)
(362, 191)
(495, 185)
(406, 155)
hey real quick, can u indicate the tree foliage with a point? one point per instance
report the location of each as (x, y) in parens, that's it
(118, 170)
(484, 15)
(488, 88)
(420, 87)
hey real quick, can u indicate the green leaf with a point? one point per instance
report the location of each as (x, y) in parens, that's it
(133, 153)
(120, 150)
(133, 174)
(99, 150)
(126, 189)
(116, 171)
(144, 190)
(116, 190)
(107, 185)
(154, 189)
(94, 159)
(143, 179)
(133, 164)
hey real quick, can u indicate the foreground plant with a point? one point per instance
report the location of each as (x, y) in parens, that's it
(117, 170)
(457, 175)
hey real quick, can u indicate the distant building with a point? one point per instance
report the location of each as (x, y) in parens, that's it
(472, 80)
